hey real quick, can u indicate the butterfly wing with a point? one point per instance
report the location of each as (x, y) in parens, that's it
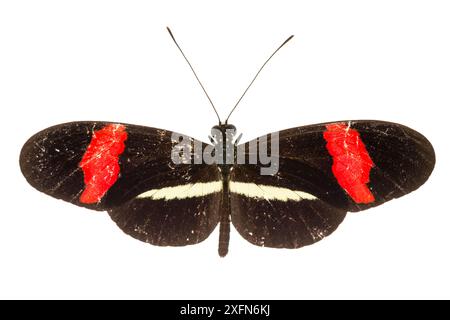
(270, 213)
(324, 171)
(175, 215)
(127, 170)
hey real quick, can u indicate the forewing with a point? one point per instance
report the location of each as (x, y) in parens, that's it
(354, 165)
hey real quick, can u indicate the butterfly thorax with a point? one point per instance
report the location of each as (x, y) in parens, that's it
(223, 137)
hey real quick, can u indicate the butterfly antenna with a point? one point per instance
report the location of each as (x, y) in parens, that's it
(254, 78)
(195, 74)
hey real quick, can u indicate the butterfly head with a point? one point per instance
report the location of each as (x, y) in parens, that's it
(223, 132)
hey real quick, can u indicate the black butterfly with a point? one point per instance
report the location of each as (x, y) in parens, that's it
(323, 172)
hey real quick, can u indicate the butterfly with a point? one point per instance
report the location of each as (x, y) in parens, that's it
(169, 189)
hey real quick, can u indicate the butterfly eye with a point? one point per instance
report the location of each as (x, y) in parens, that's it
(230, 128)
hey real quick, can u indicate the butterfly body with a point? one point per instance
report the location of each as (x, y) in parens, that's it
(225, 134)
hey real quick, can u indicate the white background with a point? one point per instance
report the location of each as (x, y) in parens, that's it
(113, 60)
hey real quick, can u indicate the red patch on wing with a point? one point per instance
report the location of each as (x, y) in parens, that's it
(100, 163)
(351, 161)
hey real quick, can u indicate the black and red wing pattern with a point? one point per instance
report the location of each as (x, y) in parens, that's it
(346, 166)
(50, 159)
(105, 166)
(402, 159)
